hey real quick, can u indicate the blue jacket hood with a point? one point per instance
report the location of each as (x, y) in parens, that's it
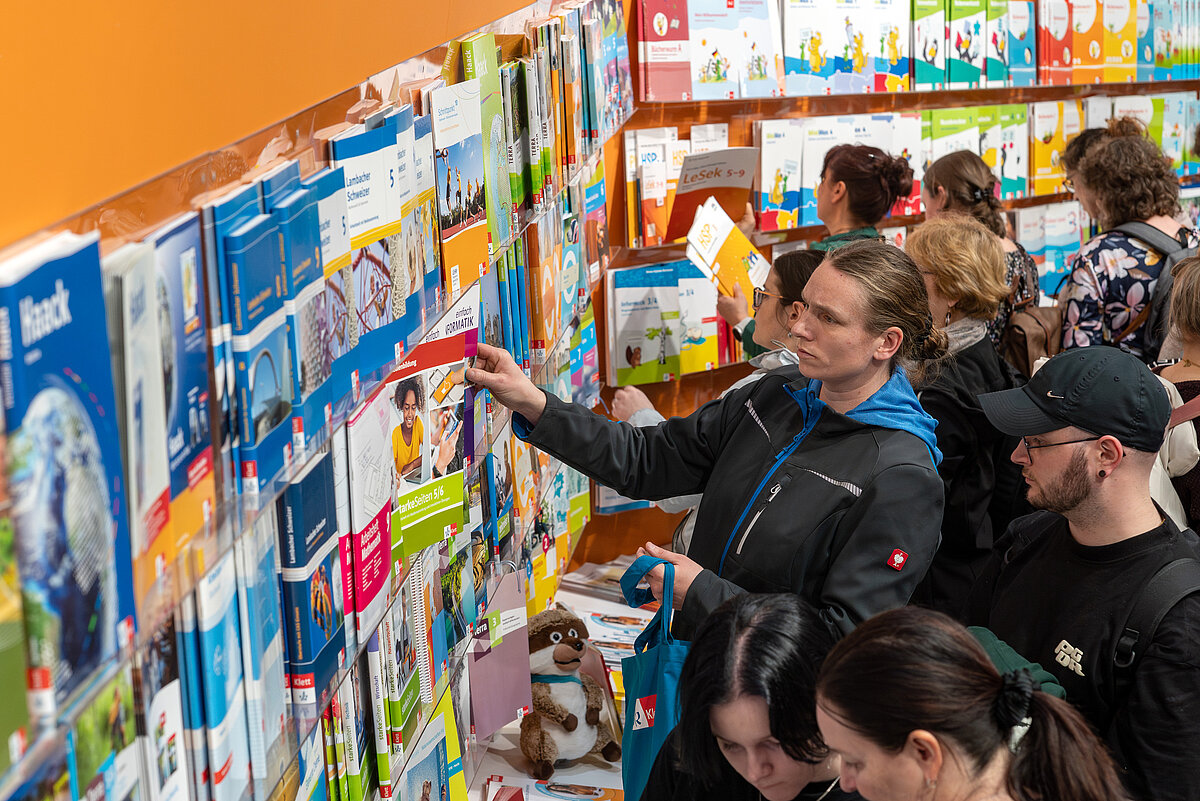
(895, 406)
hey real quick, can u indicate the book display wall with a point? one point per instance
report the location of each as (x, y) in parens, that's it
(261, 537)
(263, 541)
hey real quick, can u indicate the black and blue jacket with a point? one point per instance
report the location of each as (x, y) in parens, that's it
(844, 510)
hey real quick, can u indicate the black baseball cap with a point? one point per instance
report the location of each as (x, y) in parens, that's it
(1100, 389)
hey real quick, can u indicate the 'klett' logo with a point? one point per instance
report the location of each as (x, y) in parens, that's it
(643, 715)
(40, 318)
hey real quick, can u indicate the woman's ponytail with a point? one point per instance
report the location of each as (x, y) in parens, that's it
(1058, 757)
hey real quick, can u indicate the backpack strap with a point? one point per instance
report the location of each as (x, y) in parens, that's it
(1160, 241)
(1134, 325)
(1188, 411)
(1172, 583)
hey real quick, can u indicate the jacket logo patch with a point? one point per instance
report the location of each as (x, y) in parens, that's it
(897, 559)
(643, 715)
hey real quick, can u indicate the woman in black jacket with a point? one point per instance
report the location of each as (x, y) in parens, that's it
(963, 266)
(823, 484)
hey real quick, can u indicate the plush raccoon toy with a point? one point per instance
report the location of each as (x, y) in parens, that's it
(565, 720)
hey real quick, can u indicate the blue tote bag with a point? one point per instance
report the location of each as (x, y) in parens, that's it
(651, 678)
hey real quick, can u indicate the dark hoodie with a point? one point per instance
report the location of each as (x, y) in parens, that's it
(844, 510)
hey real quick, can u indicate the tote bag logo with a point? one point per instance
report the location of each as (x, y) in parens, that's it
(643, 717)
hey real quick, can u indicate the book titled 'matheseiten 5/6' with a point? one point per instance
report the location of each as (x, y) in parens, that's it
(64, 466)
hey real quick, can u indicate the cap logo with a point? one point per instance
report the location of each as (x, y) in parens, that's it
(1050, 394)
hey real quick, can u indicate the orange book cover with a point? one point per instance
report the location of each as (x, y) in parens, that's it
(725, 175)
(719, 248)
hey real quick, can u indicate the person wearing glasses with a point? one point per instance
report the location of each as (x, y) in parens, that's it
(961, 183)
(776, 306)
(962, 263)
(1060, 584)
(858, 187)
(819, 479)
(1123, 177)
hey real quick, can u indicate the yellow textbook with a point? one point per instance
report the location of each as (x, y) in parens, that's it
(720, 250)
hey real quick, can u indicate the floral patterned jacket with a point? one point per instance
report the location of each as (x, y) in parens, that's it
(1111, 281)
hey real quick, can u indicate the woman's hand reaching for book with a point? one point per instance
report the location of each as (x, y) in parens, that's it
(496, 371)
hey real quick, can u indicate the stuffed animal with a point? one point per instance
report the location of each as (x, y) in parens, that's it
(565, 720)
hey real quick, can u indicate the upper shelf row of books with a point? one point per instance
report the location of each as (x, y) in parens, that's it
(729, 49)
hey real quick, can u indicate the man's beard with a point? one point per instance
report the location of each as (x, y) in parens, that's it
(1070, 489)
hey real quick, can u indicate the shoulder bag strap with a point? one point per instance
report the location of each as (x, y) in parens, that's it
(1161, 241)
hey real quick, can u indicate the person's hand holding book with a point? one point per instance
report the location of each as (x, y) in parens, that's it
(496, 371)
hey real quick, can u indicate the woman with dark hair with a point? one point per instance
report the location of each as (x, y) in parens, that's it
(819, 479)
(859, 185)
(914, 708)
(748, 726)
(962, 183)
(1124, 177)
(776, 305)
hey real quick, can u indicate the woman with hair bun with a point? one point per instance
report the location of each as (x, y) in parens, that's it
(859, 185)
(914, 707)
(819, 480)
(1124, 177)
(962, 183)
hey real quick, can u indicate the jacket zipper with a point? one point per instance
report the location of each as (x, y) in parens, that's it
(774, 491)
(809, 424)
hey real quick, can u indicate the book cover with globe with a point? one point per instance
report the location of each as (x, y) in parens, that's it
(479, 61)
(64, 467)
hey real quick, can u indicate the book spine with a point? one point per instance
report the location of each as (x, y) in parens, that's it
(350, 724)
(530, 106)
(331, 777)
(380, 718)
(392, 681)
(339, 743)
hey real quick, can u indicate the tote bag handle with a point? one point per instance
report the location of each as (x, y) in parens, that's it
(659, 629)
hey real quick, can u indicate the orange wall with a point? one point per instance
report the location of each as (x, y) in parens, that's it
(100, 97)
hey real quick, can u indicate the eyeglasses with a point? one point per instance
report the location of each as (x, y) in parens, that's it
(761, 295)
(1028, 447)
(1068, 184)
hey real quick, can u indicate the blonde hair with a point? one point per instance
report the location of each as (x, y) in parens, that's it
(965, 260)
(1184, 314)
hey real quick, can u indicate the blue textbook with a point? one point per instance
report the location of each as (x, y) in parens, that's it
(262, 359)
(224, 688)
(64, 467)
(304, 304)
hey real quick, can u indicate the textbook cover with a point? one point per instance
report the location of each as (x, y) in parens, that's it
(104, 744)
(1087, 41)
(595, 223)
(713, 33)
(262, 357)
(1146, 33)
(375, 312)
(406, 249)
(271, 741)
(808, 43)
(458, 595)
(479, 62)
(130, 289)
(312, 593)
(1014, 150)
(890, 47)
(929, 44)
(996, 61)
(224, 689)
(1022, 43)
(644, 306)
(1124, 32)
(14, 718)
(966, 30)
(425, 212)
(184, 324)
(780, 145)
(458, 166)
(698, 320)
(304, 299)
(313, 783)
(1054, 21)
(663, 51)
(372, 482)
(719, 249)
(820, 134)
(726, 175)
(160, 716)
(1048, 125)
(426, 774)
(345, 535)
(65, 474)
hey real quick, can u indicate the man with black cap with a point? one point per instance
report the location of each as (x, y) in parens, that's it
(1061, 582)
